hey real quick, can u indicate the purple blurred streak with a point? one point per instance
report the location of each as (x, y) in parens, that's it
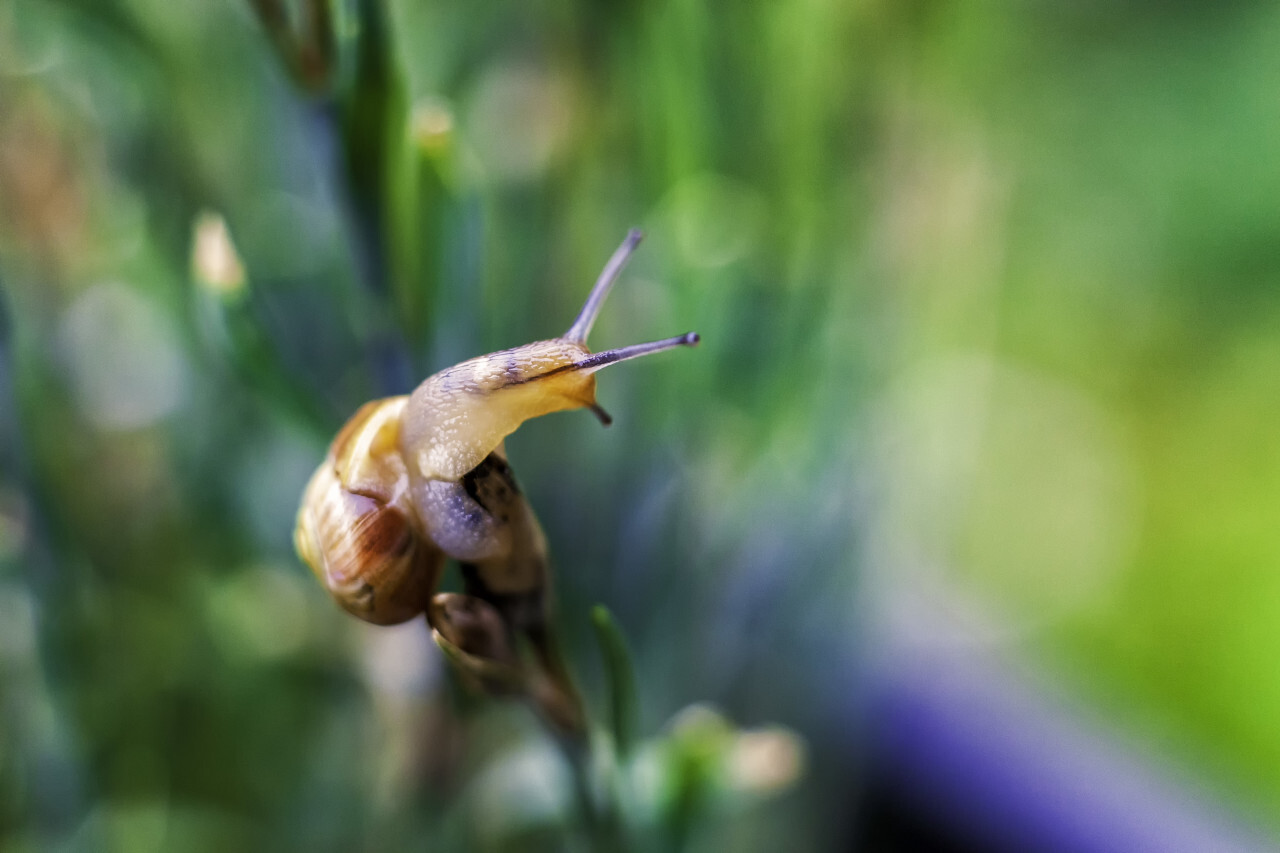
(989, 759)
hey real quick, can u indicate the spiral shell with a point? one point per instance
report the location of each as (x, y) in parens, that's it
(356, 528)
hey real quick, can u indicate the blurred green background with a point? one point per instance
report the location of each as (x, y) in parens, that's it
(988, 296)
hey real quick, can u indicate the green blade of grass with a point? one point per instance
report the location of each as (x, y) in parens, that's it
(621, 679)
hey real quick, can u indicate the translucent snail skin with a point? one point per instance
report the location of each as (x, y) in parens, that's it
(411, 481)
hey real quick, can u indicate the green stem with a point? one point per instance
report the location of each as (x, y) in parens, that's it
(600, 821)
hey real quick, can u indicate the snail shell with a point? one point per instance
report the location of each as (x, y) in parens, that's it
(357, 529)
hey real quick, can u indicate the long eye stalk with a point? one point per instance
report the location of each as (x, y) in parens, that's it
(581, 327)
(591, 308)
(599, 360)
(595, 361)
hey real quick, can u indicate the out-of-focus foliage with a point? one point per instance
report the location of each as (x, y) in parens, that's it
(991, 324)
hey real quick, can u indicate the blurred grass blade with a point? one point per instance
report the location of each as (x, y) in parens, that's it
(308, 51)
(621, 679)
(227, 305)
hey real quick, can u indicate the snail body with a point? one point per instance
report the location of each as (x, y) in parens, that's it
(414, 480)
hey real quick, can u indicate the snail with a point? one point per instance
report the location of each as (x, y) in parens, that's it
(417, 479)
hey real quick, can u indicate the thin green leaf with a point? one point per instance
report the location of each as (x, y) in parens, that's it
(621, 678)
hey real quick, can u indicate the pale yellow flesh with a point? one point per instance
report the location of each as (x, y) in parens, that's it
(458, 416)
